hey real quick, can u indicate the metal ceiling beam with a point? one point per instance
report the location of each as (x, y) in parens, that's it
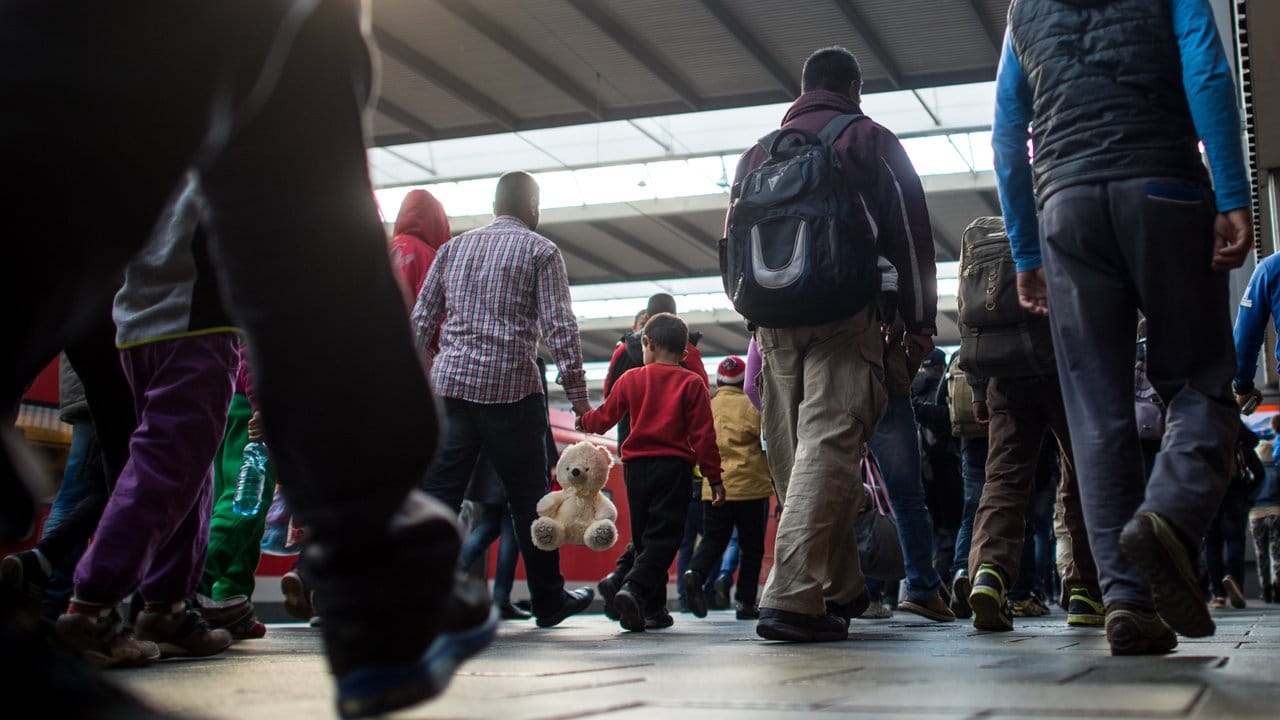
(431, 70)
(572, 248)
(994, 35)
(752, 45)
(872, 41)
(943, 241)
(593, 11)
(640, 246)
(509, 42)
(992, 199)
(694, 234)
(407, 119)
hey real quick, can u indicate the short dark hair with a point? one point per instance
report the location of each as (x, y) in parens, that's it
(668, 332)
(831, 68)
(661, 303)
(514, 192)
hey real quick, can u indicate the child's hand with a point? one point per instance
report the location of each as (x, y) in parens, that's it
(577, 424)
(717, 494)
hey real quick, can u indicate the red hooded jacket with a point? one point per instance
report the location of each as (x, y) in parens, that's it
(421, 228)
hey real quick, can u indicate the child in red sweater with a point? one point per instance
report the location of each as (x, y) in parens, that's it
(671, 430)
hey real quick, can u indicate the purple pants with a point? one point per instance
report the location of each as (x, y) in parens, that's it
(154, 531)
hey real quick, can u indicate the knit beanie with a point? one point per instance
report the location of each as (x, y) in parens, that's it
(732, 371)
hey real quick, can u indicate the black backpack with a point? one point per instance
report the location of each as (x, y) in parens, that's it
(998, 337)
(799, 246)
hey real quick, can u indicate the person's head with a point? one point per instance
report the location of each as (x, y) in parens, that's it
(665, 339)
(517, 196)
(1275, 424)
(732, 371)
(935, 362)
(835, 69)
(638, 324)
(660, 303)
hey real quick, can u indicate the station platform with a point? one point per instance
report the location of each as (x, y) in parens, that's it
(718, 669)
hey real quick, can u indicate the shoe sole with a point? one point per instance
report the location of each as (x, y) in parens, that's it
(607, 593)
(438, 665)
(1086, 620)
(629, 614)
(558, 618)
(1178, 597)
(960, 590)
(296, 600)
(693, 592)
(988, 611)
(771, 630)
(1128, 640)
(924, 612)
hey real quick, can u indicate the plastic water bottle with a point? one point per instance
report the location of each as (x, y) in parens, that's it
(253, 478)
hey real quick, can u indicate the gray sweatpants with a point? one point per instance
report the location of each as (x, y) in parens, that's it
(1112, 249)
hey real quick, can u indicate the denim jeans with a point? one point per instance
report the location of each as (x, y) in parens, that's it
(494, 523)
(1226, 537)
(83, 481)
(896, 446)
(973, 466)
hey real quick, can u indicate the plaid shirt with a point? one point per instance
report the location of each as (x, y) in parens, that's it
(499, 288)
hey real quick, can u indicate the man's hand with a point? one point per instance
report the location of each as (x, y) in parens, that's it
(581, 407)
(981, 413)
(1033, 293)
(717, 494)
(917, 345)
(255, 427)
(1232, 238)
(1249, 401)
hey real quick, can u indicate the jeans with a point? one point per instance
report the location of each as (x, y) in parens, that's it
(1226, 536)
(973, 465)
(896, 446)
(83, 481)
(494, 523)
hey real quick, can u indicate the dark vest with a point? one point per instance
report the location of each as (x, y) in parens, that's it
(1108, 101)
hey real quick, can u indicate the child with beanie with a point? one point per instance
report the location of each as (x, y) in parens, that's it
(671, 431)
(747, 489)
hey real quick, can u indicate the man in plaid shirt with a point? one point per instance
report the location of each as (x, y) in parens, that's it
(498, 289)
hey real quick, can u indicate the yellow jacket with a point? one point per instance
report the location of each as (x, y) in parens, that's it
(746, 472)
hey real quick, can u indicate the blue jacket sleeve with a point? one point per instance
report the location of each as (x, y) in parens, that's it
(1211, 93)
(1251, 324)
(1009, 135)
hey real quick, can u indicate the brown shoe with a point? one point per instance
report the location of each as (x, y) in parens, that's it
(223, 613)
(297, 596)
(1134, 631)
(1234, 595)
(180, 633)
(932, 607)
(101, 638)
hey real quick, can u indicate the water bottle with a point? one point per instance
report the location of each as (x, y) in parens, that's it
(253, 478)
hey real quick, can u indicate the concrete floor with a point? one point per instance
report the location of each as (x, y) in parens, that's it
(717, 668)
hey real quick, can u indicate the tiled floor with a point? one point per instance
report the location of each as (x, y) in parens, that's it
(717, 669)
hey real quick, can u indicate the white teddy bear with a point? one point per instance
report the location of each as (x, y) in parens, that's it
(579, 514)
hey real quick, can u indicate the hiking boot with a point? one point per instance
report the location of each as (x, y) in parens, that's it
(660, 620)
(297, 596)
(574, 603)
(223, 613)
(796, 627)
(693, 582)
(630, 608)
(723, 585)
(1084, 608)
(1030, 606)
(990, 600)
(1150, 543)
(23, 575)
(102, 639)
(932, 607)
(180, 633)
(608, 587)
(744, 611)
(1234, 595)
(960, 589)
(250, 628)
(1133, 631)
(878, 610)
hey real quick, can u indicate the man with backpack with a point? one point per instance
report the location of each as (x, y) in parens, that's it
(812, 207)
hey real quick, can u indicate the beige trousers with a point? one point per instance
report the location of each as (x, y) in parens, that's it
(822, 393)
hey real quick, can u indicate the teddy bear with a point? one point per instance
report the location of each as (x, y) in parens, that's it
(578, 514)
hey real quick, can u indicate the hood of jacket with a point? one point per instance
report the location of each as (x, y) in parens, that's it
(422, 216)
(815, 100)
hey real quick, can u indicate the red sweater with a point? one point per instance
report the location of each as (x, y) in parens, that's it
(670, 409)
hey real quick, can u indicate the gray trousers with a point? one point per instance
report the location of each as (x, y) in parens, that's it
(1111, 250)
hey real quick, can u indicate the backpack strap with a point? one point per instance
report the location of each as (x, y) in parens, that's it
(837, 126)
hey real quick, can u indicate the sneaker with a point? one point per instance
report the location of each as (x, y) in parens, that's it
(1133, 631)
(507, 611)
(990, 601)
(1234, 594)
(223, 613)
(693, 582)
(1217, 603)
(471, 622)
(250, 628)
(630, 608)
(744, 611)
(660, 620)
(608, 587)
(23, 574)
(103, 640)
(932, 607)
(878, 610)
(297, 596)
(574, 603)
(1030, 606)
(723, 585)
(1084, 608)
(960, 589)
(1150, 543)
(795, 627)
(181, 633)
